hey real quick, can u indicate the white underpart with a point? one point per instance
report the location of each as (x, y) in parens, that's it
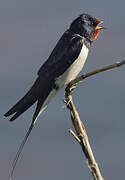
(69, 75)
(74, 69)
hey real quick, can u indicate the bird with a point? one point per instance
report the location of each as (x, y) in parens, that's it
(63, 65)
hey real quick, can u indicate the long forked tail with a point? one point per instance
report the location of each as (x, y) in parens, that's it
(31, 97)
(35, 116)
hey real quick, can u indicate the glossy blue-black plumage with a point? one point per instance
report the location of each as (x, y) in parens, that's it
(62, 57)
(64, 54)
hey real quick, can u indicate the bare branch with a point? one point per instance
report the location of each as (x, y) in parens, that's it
(82, 138)
(86, 75)
(81, 135)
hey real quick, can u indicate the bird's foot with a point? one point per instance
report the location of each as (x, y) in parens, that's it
(72, 88)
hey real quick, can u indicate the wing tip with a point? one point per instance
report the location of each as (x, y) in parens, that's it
(15, 116)
(5, 114)
(8, 114)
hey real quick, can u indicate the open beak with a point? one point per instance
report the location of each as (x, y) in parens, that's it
(97, 29)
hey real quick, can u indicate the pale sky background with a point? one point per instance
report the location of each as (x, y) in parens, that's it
(29, 29)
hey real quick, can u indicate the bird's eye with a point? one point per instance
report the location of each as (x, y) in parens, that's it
(93, 23)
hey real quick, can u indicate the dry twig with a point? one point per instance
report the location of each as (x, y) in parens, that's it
(81, 135)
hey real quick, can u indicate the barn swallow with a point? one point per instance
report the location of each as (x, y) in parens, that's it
(63, 65)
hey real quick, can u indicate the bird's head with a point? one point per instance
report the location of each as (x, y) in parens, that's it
(86, 26)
